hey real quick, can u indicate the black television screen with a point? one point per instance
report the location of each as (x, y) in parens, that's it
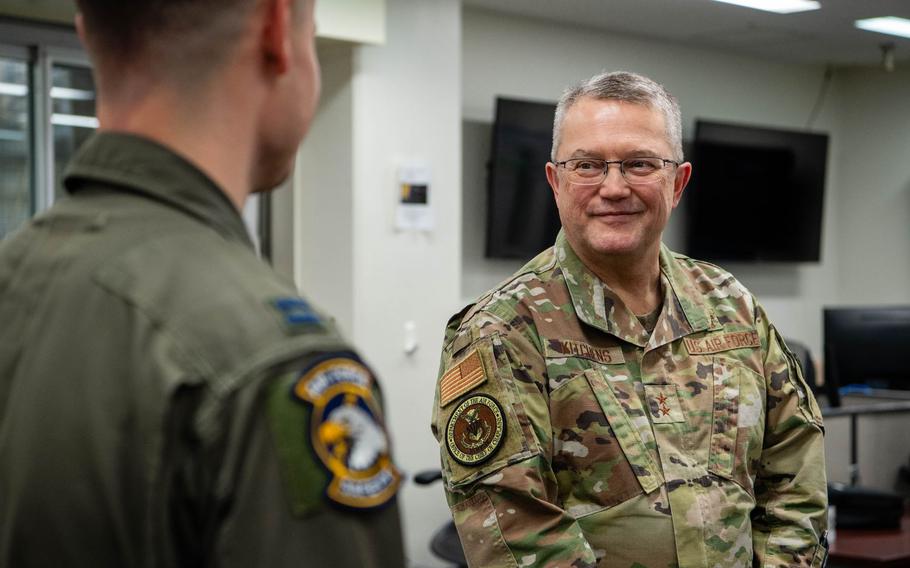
(865, 348)
(756, 194)
(522, 218)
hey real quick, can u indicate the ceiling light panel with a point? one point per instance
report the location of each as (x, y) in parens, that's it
(777, 6)
(890, 25)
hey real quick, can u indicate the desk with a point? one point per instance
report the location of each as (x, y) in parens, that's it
(876, 402)
(872, 548)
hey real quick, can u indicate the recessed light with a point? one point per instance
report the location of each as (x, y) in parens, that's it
(890, 25)
(778, 6)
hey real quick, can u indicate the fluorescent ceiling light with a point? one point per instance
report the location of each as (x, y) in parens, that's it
(778, 6)
(74, 120)
(72, 94)
(13, 89)
(890, 25)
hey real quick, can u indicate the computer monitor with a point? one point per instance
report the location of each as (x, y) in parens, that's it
(867, 347)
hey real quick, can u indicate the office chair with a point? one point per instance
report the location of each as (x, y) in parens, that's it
(804, 356)
(445, 543)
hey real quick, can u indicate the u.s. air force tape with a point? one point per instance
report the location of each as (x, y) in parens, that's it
(347, 432)
(476, 429)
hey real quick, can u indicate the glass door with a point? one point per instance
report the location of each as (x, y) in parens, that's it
(47, 110)
(16, 180)
(72, 96)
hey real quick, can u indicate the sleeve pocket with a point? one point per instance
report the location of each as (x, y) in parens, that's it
(481, 537)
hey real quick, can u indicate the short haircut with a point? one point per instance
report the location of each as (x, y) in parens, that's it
(627, 87)
(182, 38)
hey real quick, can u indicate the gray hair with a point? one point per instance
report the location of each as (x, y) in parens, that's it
(628, 87)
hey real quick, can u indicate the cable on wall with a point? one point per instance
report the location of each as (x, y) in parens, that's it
(822, 94)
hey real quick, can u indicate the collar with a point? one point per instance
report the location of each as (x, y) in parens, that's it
(684, 310)
(126, 162)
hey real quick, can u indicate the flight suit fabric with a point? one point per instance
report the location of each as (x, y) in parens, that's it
(696, 445)
(142, 346)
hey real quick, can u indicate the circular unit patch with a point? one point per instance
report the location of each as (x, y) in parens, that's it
(475, 430)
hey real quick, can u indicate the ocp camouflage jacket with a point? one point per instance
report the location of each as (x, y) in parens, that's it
(571, 437)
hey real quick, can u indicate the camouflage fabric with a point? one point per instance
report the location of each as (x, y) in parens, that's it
(696, 445)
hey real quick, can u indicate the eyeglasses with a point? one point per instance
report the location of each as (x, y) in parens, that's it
(636, 171)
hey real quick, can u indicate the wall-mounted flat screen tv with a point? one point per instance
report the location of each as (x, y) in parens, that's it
(756, 194)
(522, 219)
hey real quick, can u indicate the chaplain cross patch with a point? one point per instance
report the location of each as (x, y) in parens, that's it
(663, 404)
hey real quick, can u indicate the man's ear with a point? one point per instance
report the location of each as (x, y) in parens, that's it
(553, 178)
(80, 27)
(683, 174)
(276, 35)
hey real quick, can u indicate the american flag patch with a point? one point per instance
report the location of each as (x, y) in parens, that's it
(461, 378)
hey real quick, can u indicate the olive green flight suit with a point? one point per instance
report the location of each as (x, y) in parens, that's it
(152, 374)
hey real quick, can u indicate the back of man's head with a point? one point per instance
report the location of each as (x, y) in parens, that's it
(187, 72)
(177, 39)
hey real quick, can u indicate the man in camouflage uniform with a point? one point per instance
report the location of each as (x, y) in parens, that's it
(615, 404)
(165, 398)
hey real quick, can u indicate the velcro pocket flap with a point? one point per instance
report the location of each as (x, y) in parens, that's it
(644, 467)
(725, 418)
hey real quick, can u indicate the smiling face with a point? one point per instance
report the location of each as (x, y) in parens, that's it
(615, 218)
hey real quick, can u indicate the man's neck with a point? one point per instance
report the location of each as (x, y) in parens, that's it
(634, 278)
(214, 137)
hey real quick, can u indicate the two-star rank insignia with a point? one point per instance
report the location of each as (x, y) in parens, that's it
(663, 404)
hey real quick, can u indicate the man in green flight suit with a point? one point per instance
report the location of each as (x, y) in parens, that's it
(615, 404)
(165, 398)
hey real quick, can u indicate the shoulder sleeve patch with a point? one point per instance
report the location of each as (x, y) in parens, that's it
(341, 423)
(304, 479)
(478, 428)
(461, 378)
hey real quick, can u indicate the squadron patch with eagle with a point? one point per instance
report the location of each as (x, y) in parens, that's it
(343, 423)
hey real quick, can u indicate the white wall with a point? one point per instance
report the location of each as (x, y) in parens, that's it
(322, 202)
(873, 236)
(360, 21)
(407, 107)
(530, 59)
(384, 106)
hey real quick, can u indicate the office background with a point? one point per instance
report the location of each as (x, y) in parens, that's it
(415, 81)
